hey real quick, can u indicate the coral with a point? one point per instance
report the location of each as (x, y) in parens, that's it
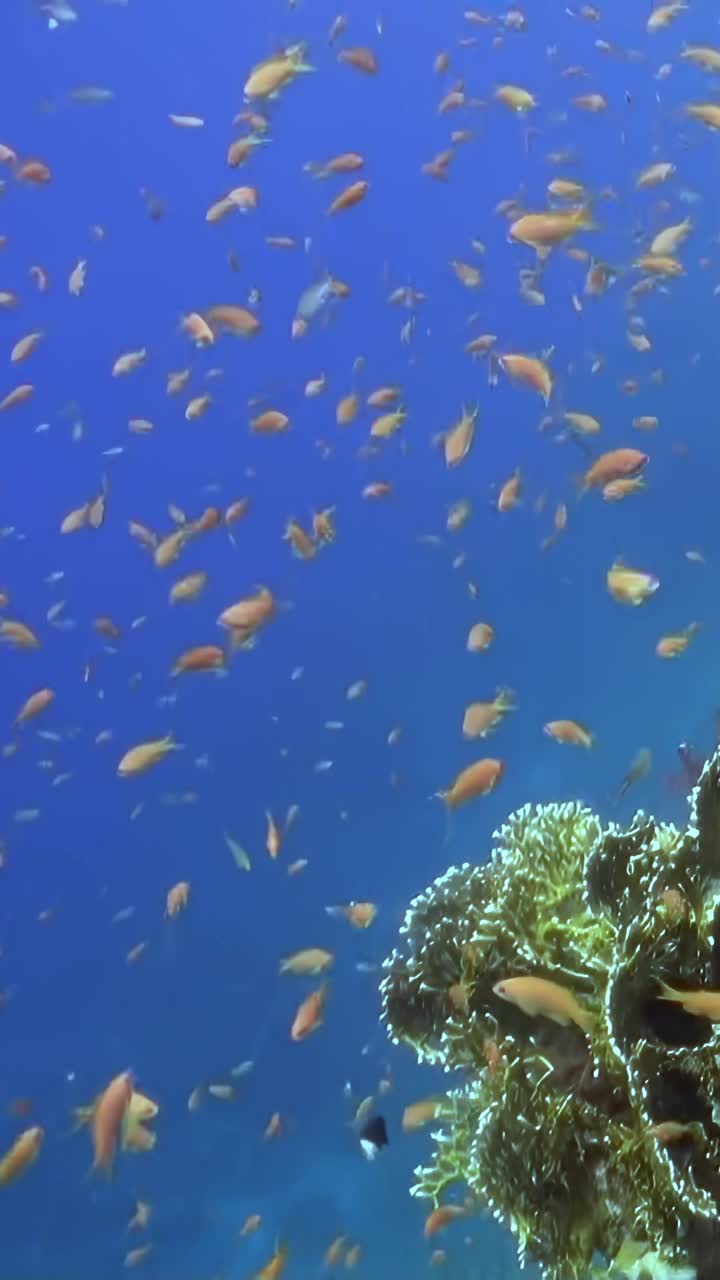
(587, 1144)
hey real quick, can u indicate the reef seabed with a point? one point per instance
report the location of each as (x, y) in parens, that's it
(599, 1147)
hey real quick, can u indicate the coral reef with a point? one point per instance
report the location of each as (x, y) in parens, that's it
(599, 1149)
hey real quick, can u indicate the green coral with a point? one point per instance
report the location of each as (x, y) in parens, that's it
(557, 1132)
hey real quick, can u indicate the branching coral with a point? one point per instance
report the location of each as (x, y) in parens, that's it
(588, 1146)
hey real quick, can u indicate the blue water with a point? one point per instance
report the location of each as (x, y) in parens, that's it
(379, 604)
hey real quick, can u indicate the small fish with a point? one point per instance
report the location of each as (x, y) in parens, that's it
(373, 1137)
(242, 1069)
(359, 914)
(308, 1017)
(146, 755)
(440, 1218)
(240, 857)
(673, 644)
(23, 1152)
(273, 836)
(251, 1224)
(223, 1092)
(141, 1216)
(539, 996)
(569, 731)
(108, 1118)
(311, 960)
(630, 586)
(418, 1114)
(638, 770)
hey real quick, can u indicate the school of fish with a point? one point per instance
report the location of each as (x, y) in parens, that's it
(614, 257)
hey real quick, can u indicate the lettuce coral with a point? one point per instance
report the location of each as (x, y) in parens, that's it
(600, 1151)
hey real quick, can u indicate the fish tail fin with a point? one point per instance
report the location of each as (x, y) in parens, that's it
(81, 1116)
(505, 699)
(669, 993)
(586, 1020)
(584, 217)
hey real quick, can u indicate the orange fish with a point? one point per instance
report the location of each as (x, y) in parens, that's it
(187, 589)
(309, 1015)
(177, 898)
(569, 731)
(246, 618)
(539, 996)
(458, 440)
(482, 717)
(543, 231)
(35, 171)
(674, 644)
(23, 1152)
(441, 1218)
(418, 1114)
(359, 914)
(346, 162)
(204, 657)
(613, 465)
(351, 196)
(270, 422)
(233, 319)
(361, 59)
(146, 755)
(211, 518)
(33, 705)
(347, 409)
(478, 779)
(17, 396)
(274, 1268)
(323, 526)
(237, 510)
(623, 487)
(301, 542)
(108, 1118)
(197, 329)
(18, 634)
(529, 371)
(480, 637)
(273, 837)
(509, 495)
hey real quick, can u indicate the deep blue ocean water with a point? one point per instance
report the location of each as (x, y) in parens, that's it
(379, 604)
